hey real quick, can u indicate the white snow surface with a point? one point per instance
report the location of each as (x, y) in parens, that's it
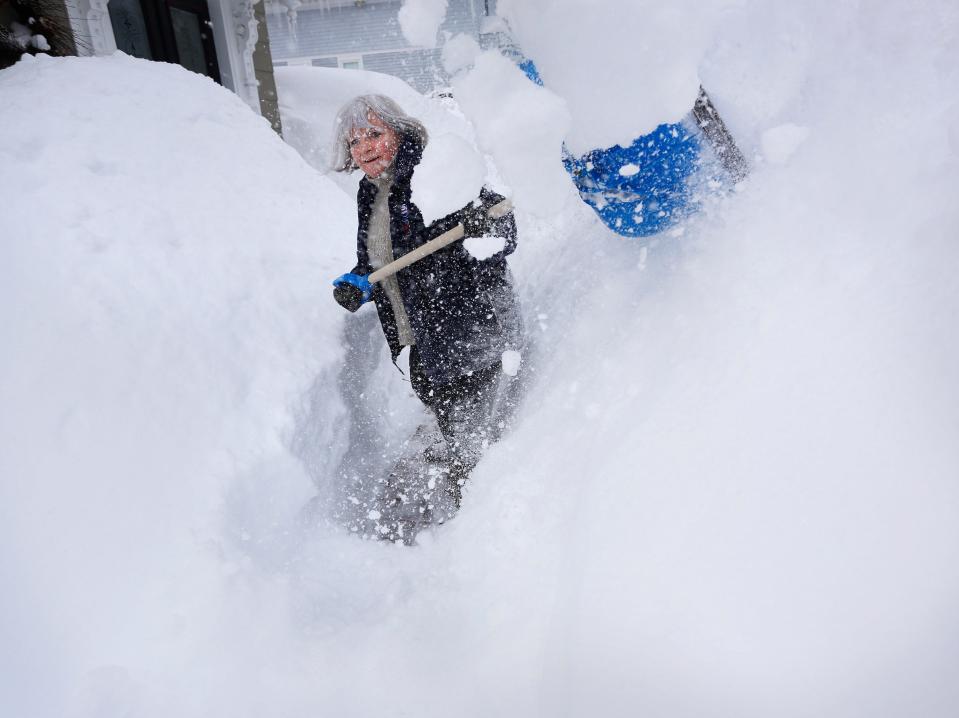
(780, 143)
(733, 489)
(166, 306)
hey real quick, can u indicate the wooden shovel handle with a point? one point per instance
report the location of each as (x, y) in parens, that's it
(424, 250)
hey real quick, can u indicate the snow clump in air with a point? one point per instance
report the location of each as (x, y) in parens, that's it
(420, 20)
(459, 52)
(449, 177)
(484, 247)
(511, 362)
(521, 126)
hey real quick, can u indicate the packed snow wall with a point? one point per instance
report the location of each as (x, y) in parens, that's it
(166, 310)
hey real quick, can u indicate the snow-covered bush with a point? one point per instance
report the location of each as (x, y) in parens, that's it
(29, 27)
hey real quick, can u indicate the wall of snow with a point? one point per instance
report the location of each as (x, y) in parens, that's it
(164, 274)
(739, 462)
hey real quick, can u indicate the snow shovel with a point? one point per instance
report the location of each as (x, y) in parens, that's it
(650, 196)
(351, 297)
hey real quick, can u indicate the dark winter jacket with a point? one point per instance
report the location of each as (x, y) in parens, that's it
(461, 309)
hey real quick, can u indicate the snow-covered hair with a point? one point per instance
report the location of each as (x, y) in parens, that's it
(356, 114)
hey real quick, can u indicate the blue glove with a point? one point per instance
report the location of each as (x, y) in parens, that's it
(352, 291)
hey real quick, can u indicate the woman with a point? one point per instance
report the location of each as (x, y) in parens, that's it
(455, 312)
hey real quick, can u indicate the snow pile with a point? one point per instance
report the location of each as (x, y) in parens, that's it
(164, 274)
(521, 126)
(759, 60)
(420, 20)
(780, 143)
(739, 460)
(646, 51)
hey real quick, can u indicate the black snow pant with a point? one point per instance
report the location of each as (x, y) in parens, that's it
(463, 410)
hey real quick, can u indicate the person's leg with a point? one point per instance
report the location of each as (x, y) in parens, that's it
(463, 410)
(422, 386)
(426, 392)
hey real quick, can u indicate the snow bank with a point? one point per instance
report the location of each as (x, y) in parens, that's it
(739, 461)
(164, 275)
(780, 143)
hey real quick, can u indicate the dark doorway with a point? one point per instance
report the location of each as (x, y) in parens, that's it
(177, 31)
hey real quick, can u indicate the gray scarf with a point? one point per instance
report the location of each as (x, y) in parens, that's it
(379, 245)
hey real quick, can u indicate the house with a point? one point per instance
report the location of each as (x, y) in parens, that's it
(238, 42)
(226, 40)
(366, 35)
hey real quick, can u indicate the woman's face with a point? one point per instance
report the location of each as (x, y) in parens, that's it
(373, 148)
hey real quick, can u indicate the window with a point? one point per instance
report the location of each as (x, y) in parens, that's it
(350, 62)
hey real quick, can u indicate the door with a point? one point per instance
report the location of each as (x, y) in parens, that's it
(177, 31)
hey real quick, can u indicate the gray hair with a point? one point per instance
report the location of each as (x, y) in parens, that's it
(356, 114)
